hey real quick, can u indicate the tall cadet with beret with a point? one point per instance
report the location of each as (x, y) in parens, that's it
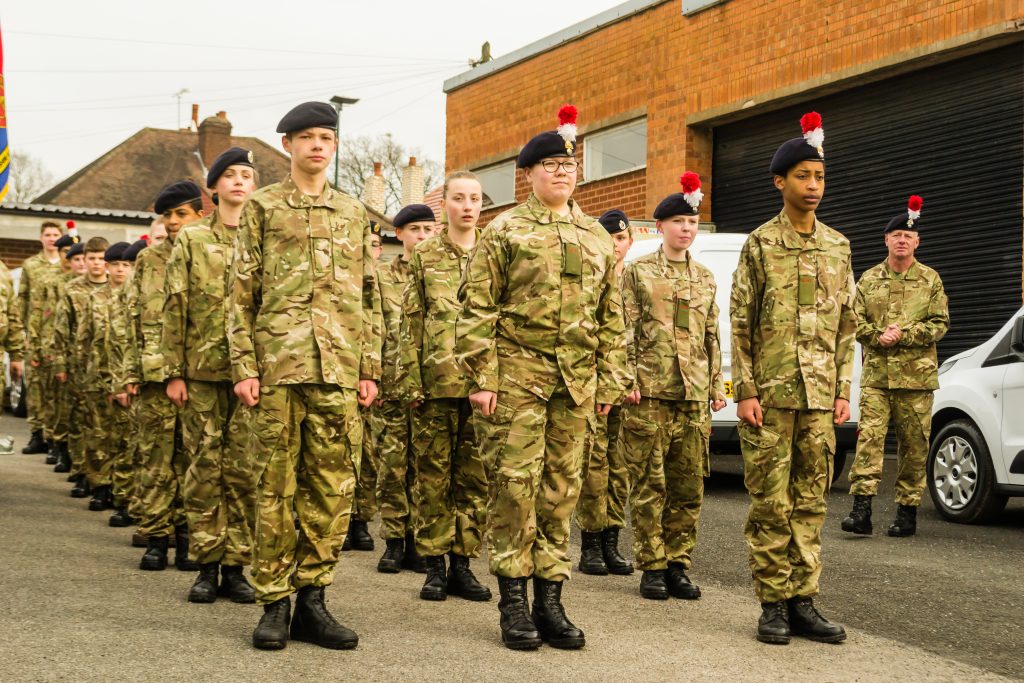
(144, 373)
(304, 357)
(601, 509)
(217, 490)
(902, 313)
(793, 329)
(541, 337)
(672, 327)
(395, 475)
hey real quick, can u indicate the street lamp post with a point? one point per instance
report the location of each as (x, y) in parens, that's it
(338, 101)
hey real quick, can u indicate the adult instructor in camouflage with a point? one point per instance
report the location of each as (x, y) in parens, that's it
(793, 327)
(902, 312)
(304, 356)
(541, 337)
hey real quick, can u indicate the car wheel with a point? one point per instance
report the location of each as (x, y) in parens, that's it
(961, 479)
(19, 402)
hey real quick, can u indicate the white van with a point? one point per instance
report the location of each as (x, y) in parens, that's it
(976, 459)
(720, 252)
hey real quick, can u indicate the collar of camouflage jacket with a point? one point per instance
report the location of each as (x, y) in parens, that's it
(793, 239)
(670, 272)
(456, 250)
(910, 273)
(297, 199)
(544, 215)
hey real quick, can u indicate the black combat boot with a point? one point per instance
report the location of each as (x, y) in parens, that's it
(859, 519)
(272, 631)
(391, 562)
(181, 561)
(615, 562)
(436, 586)
(806, 621)
(548, 613)
(592, 557)
(518, 631)
(36, 444)
(52, 454)
(205, 587)
(120, 518)
(100, 498)
(63, 458)
(652, 584)
(234, 585)
(773, 626)
(314, 624)
(155, 558)
(679, 584)
(412, 559)
(361, 538)
(461, 581)
(905, 523)
(138, 540)
(81, 487)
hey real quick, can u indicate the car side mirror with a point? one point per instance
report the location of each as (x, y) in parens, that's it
(1017, 336)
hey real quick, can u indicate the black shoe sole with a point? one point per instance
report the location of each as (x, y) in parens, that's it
(187, 566)
(593, 571)
(433, 597)
(521, 644)
(773, 640)
(623, 571)
(822, 639)
(344, 645)
(269, 644)
(853, 530)
(565, 643)
(202, 599)
(901, 534)
(388, 570)
(472, 597)
(649, 595)
(98, 507)
(685, 596)
(152, 568)
(248, 600)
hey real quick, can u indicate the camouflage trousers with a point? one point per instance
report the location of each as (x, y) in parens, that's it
(218, 489)
(100, 436)
(34, 394)
(787, 468)
(911, 413)
(76, 426)
(305, 442)
(161, 463)
(122, 473)
(61, 411)
(395, 471)
(365, 506)
(605, 488)
(536, 447)
(132, 437)
(665, 447)
(451, 480)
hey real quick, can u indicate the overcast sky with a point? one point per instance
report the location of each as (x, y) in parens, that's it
(81, 77)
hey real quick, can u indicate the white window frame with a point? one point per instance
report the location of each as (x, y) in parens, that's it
(597, 135)
(481, 172)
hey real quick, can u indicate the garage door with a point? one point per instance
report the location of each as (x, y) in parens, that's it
(952, 133)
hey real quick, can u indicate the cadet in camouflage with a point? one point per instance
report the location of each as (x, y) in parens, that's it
(304, 356)
(451, 477)
(541, 339)
(672, 328)
(793, 326)
(12, 336)
(902, 313)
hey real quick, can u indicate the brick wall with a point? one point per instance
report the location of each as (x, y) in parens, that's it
(728, 57)
(14, 252)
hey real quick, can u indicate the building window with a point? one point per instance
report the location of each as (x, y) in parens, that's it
(499, 183)
(615, 150)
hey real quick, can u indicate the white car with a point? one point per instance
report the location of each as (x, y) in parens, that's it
(976, 459)
(720, 252)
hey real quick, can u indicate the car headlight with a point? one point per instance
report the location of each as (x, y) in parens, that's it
(945, 367)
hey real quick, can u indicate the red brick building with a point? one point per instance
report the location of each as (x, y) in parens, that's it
(918, 96)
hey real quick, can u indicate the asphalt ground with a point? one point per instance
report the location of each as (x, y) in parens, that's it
(942, 606)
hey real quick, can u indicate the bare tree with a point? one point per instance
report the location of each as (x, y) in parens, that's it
(358, 156)
(29, 177)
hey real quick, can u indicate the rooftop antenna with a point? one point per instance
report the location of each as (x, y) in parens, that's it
(178, 96)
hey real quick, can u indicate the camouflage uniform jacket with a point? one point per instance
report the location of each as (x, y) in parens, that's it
(672, 329)
(428, 320)
(791, 310)
(125, 352)
(393, 279)
(37, 305)
(541, 304)
(142, 357)
(69, 353)
(917, 303)
(303, 291)
(195, 335)
(104, 324)
(12, 332)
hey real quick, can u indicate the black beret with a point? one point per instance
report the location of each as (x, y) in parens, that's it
(309, 115)
(234, 156)
(374, 228)
(547, 144)
(909, 219)
(115, 252)
(132, 252)
(76, 249)
(67, 241)
(792, 152)
(614, 221)
(679, 203)
(413, 213)
(176, 194)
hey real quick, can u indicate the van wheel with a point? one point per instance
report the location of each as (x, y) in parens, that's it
(961, 479)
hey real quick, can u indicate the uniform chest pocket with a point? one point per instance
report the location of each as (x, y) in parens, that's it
(831, 275)
(572, 260)
(441, 289)
(211, 278)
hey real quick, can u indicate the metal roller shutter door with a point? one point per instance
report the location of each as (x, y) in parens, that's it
(952, 133)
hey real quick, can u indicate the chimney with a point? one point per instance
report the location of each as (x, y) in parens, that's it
(214, 136)
(373, 191)
(412, 183)
(195, 117)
